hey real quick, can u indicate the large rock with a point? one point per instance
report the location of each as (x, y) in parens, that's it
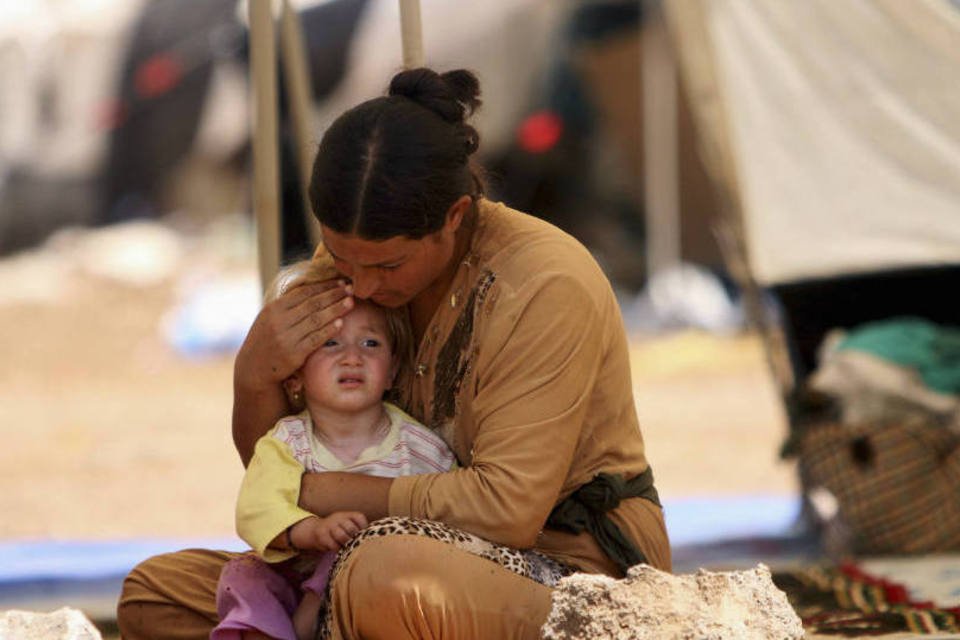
(651, 604)
(62, 624)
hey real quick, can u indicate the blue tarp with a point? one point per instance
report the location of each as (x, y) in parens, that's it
(702, 520)
(32, 560)
(50, 565)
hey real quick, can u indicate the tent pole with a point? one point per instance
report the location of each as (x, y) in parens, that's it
(411, 32)
(266, 174)
(660, 148)
(297, 83)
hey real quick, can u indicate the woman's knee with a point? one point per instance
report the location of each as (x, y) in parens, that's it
(425, 588)
(379, 571)
(137, 598)
(398, 578)
(172, 592)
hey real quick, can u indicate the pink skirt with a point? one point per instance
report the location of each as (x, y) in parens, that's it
(255, 595)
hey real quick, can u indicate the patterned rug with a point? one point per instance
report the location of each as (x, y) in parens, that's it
(846, 600)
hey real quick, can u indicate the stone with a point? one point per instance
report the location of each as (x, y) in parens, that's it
(63, 624)
(655, 605)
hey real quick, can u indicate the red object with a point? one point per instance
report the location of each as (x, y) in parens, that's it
(895, 593)
(157, 75)
(540, 132)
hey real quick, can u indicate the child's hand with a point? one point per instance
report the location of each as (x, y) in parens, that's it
(330, 533)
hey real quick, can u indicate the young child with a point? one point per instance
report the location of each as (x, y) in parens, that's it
(344, 425)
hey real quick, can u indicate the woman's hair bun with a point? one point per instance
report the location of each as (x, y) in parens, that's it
(453, 95)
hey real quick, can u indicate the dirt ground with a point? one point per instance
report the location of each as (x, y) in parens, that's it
(112, 434)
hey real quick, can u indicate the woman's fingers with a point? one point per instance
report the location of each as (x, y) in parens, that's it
(304, 318)
(315, 307)
(321, 325)
(323, 308)
(297, 295)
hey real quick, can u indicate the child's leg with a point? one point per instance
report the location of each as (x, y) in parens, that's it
(317, 582)
(306, 616)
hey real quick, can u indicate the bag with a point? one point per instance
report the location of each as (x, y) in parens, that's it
(896, 486)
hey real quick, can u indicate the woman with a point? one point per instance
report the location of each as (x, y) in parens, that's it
(522, 368)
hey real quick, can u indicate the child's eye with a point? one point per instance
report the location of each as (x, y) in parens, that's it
(330, 343)
(371, 342)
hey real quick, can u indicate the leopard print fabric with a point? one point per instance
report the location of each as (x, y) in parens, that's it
(527, 563)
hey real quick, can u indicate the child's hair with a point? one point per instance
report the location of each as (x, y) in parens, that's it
(320, 268)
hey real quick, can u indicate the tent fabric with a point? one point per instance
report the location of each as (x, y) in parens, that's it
(844, 123)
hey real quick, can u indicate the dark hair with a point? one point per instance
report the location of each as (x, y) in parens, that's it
(393, 166)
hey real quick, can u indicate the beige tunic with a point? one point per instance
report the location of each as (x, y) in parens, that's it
(524, 371)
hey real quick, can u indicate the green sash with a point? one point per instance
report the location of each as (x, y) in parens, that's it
(586, 510)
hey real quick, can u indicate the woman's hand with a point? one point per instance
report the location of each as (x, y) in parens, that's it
(290, 328)
(285, 332)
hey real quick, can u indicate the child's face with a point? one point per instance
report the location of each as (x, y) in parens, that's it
(352, 370)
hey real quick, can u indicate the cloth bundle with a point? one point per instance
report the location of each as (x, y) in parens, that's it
(888, 467)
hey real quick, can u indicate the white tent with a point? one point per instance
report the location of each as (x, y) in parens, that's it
(832, 131)
(842, 123)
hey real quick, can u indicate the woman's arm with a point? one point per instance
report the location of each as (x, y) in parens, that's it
(326, 493)
(286, 331)
(535, 374)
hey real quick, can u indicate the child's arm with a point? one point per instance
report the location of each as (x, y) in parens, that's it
(267, 504)
(321, 534)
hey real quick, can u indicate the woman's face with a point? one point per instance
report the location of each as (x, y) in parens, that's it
(391, 272)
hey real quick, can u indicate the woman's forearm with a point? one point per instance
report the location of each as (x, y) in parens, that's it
(255, 410)
(324, 493)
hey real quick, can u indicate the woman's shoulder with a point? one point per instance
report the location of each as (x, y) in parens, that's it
(501, 227)
(517, 246)
(522, 255)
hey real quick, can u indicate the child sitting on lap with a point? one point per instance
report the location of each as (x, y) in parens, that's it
(344, 425)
